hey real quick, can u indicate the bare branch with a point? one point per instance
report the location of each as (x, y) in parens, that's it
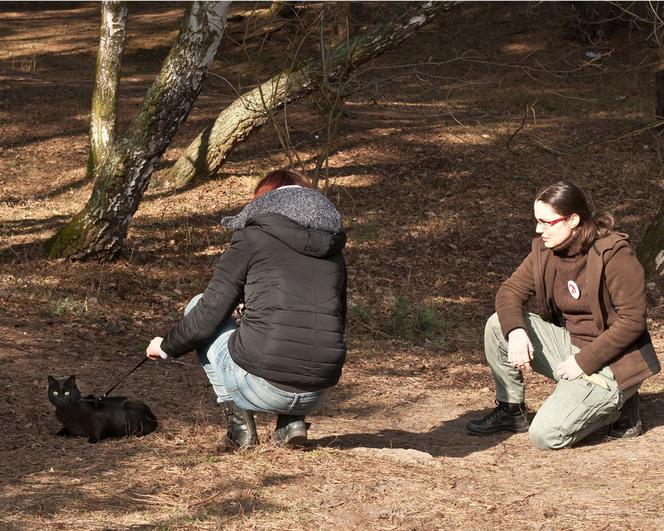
(207, 153)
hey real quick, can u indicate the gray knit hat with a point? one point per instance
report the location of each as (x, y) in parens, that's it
(305, 206)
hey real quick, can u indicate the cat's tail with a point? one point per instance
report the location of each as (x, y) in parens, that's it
(146, 420)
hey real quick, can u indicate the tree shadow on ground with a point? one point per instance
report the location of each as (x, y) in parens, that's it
(79, 489)
(450, 439)
(34, 249)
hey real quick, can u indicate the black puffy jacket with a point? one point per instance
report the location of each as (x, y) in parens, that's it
(293, 283)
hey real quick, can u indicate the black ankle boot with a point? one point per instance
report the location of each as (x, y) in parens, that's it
(629, 424)
(291, 430)
(505, 417)
(241, 425)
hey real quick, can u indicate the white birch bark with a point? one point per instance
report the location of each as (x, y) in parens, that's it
(103, 115)
(99, 230)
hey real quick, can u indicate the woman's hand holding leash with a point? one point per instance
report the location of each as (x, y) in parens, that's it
(154, 351)
(520, 349)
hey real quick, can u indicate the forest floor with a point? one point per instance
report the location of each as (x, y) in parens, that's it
(446, 141)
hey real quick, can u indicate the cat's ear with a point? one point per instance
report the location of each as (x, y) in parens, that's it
(51, 379)
(72, 379)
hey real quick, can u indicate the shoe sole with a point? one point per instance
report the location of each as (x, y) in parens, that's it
(636, 431)
(241, 445)
(497, 430)
(295, 438)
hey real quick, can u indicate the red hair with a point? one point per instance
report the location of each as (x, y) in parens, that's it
(277, 178)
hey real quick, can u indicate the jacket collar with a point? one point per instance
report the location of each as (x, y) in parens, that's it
(598, 254)
(305, 240)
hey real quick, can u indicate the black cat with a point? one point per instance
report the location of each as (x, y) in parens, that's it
(98, 418)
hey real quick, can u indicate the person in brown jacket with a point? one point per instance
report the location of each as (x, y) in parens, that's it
(589, 333)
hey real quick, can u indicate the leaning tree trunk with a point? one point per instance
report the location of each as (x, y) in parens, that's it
(651, 249)
(282, 9)
(103, 115)
(99, 230)
(207, 153)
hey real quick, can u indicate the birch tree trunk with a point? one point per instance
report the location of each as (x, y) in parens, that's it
(207, 153)
(651, 249)
(103, 115)
(99, 230)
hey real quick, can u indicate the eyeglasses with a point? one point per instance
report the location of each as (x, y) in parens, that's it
(549, 224)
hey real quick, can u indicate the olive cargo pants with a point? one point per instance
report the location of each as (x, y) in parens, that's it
(576, 408)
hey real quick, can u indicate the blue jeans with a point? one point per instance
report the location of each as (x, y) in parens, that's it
(246, 390)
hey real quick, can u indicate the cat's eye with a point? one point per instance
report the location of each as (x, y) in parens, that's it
(66, 393)
(55, 393)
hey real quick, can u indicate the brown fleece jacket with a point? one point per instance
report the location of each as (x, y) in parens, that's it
(616, 291)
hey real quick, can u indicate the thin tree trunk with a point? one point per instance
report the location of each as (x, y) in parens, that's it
(99, 230)
(103, 115)
(651, 249)
(207, 153)
(350, 16)
(659, 93)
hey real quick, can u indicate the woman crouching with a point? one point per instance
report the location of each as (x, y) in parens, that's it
(286, 347)
(589, 333)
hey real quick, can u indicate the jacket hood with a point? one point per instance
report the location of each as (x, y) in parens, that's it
(305, 240)
(610, 241)
(305, 206)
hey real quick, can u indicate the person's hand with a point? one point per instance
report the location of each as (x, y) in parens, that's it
(154, 351)
(569, 369)
(520, 349)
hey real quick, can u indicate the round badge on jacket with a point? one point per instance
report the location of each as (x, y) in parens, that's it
(573, 288)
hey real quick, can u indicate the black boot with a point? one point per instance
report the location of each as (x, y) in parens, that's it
(505, 417)
(291, 430)
(241, 425)
(629, 424)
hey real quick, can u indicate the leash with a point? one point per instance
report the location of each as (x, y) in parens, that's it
(124, 377)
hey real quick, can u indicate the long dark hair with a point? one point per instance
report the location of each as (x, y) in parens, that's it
(567, 198)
